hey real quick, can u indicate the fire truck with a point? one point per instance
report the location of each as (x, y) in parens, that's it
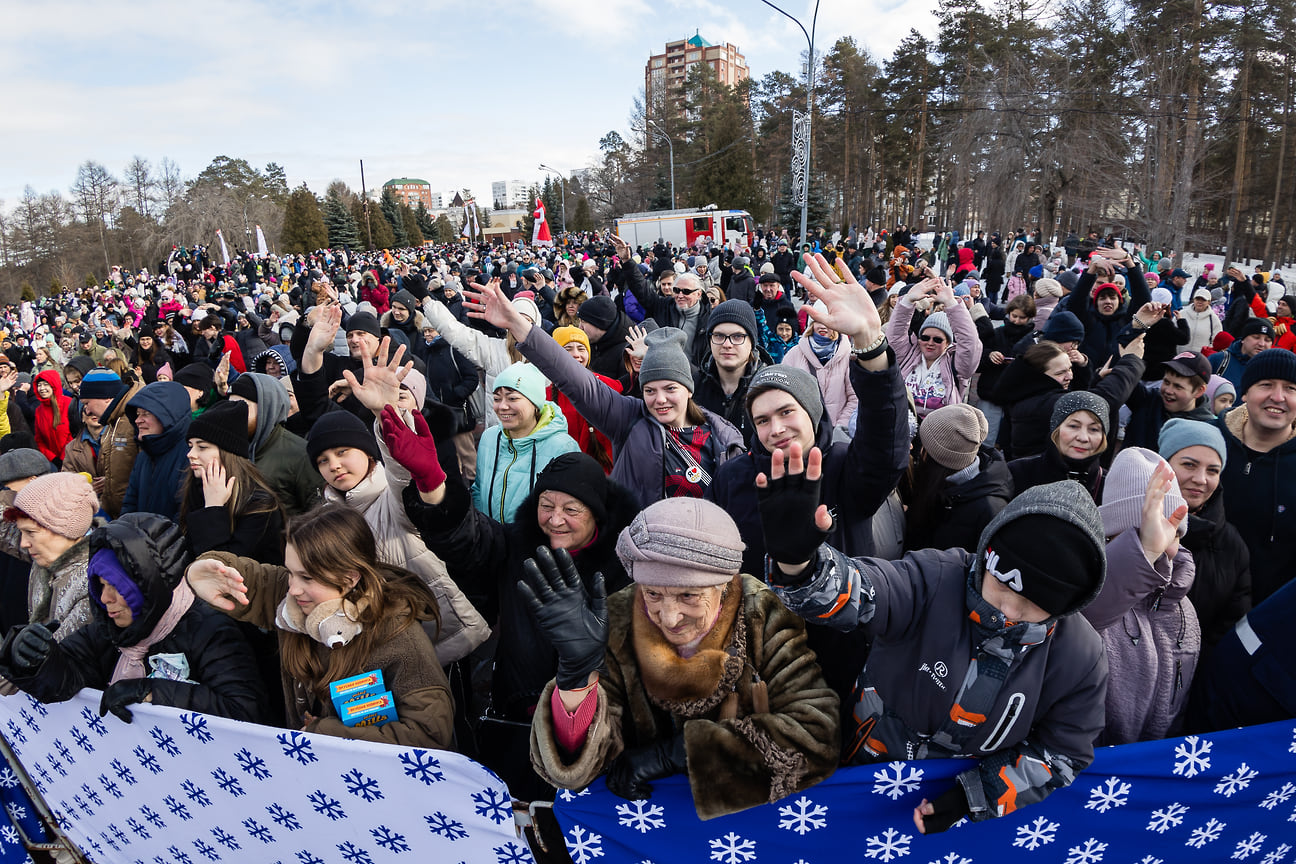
(689, 227)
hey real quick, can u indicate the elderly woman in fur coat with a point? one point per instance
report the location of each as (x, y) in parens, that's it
(694, 669)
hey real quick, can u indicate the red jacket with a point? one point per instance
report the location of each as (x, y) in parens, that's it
(53, 425)
(591, 441)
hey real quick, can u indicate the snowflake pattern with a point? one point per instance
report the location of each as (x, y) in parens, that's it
(513, 853)
(1248, 847)
(206, 850)
(258, 831)
(195, 726)
(124, 774)
(229, 841)
(8, 779)
(1089, 852)
(16, 811)
(1108, 795)
(326, 806)
(147, 760)
(732, 849)
(388, 839)
(82, 740)
(9, 834)
(94, 722)
(894, 785)
(1277, 855)
(952, 858)
(495, 806)
(179, 856)
(297, 746)
(164, 742)
(283, 818)
(1231, 784)
(252, 764)
(195, 793)
(641, 816)
(1039, 833)
(423, 766)
(1170, 816)
(570, 796)
(1192, 757)
(304, 857)
(1278, 796)
(803, 816)
(354, 854)
(584, 845)
(440, 823)
(228, 782)
(152, 817)
(1207, 833)
(361, 786)
(64, 753)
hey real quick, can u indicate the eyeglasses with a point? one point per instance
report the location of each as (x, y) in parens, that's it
(687, 291)
(939, 340)
(731, 338)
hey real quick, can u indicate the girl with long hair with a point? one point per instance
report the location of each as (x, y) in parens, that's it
(339, 611)
(225, 503)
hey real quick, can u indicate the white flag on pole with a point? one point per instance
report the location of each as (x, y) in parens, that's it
(224, 248)
(262, 251)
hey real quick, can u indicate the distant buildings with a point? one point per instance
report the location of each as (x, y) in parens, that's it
(510, 194)
(410, 191)
(664, 73)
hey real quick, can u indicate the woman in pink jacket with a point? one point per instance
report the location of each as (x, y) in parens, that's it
(938, 362)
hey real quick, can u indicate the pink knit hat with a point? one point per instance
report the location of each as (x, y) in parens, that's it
(62, 502)
(681, 543)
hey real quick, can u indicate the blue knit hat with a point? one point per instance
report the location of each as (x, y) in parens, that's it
(1063, 326)
(1178, 433)
(100, 384)
(525, 379)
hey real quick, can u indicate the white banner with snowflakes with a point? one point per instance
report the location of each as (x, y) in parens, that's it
(182, 788)
(1224, 797)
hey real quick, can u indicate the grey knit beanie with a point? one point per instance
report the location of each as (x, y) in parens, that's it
(952, 435)
(1126, 487)
(665, 358)
(681, 543)
(941, 322)
(738, 312)
(22, 463)
(798, 383)
(1081, 400)
(1178, 433)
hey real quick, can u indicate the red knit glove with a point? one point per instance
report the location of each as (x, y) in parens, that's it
(416, 449)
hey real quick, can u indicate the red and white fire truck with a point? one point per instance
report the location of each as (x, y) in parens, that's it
(689, 227)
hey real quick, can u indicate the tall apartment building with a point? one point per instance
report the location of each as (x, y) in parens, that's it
(509, 194)
(664, 73)
(410, 191)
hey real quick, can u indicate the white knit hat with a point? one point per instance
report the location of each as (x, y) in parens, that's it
(1126, 487)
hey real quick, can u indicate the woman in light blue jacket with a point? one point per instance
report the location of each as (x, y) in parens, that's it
(531, 432)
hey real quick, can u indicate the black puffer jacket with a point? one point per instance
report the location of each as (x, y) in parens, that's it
(1051, 467)
(968, 507)
(222, 672)
(1221, 590)
(484, 558)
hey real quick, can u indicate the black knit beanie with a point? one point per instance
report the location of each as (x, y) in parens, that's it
(364, 321)
(1056, 575)
(244, 386)
(579, 476)
(225, 425)
(339, 429)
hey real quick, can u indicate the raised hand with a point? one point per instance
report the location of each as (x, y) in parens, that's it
(793, 521)
(217, 487)
(847, 307)
(576, 625)
(324, 330)
(636, 337)
(1159, 533)
(490, 304)
(381, 385)
(217, 585)
(415, 449)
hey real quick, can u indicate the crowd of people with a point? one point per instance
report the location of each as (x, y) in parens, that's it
(740, 513)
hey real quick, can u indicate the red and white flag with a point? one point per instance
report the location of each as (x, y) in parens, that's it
(540, 234)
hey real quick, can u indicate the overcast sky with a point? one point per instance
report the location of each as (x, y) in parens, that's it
(458, 94)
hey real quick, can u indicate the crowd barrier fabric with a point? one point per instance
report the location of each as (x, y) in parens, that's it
(176, 787)
(1224, 797)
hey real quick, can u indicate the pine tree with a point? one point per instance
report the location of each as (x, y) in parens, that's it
(789, 211)
(413, 234)
(303, 224)
(423, 219)
(442, 230)
(583, 218)
(391, 210)
(340, 223)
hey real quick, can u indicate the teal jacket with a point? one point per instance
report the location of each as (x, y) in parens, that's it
(507, 467)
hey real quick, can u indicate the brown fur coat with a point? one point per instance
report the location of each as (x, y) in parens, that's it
(738, 756)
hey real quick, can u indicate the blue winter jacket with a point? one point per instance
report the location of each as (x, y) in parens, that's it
(160, 465)
(507, 467)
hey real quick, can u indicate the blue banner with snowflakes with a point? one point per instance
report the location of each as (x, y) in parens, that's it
(1222, 797)
(183, 788)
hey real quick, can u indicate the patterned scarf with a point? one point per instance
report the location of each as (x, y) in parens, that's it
(131, 662)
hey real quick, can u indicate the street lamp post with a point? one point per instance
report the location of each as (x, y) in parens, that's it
(563, 181)
(671, 147)
(805, 193)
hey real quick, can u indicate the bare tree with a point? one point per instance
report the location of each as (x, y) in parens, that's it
(170, 187)
(140, 185)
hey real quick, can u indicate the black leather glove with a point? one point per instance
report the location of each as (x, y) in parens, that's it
(32, 646)
(128, 691)
(947, 809)
(631, 771)
(576, 626)
(787, 510)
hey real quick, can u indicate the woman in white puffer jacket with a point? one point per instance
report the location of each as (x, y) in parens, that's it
(1203, 323)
